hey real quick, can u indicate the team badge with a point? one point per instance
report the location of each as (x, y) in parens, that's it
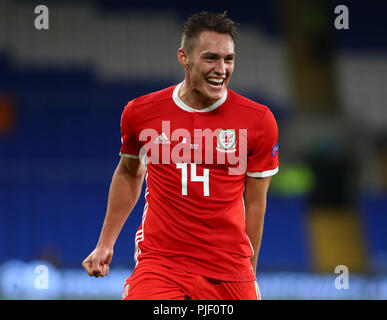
(226, 140)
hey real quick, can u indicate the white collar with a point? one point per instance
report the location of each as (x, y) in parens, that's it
(183, 106)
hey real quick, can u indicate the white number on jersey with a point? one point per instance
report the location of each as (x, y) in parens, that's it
(205, 178)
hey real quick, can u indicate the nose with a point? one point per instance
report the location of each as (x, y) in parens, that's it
(220, 67)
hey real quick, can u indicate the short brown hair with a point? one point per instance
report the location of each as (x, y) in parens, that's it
(206, 21)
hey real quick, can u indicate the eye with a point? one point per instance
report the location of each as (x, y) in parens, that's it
(229, 59)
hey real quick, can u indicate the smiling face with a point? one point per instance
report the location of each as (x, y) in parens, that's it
(208, 69)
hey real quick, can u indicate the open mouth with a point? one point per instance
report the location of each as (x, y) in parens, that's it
(215, 83)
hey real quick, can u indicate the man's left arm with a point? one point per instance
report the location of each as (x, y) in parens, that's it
(255, 207)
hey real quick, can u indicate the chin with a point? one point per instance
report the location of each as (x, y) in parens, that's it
(215, 95)
(211, 94)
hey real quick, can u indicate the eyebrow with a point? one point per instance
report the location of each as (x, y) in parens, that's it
(213, 54)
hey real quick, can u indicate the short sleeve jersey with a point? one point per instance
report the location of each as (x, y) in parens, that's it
(197, 162)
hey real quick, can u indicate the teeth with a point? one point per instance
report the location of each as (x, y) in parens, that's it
(215, 80)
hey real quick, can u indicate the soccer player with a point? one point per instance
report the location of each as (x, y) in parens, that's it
(207, 155)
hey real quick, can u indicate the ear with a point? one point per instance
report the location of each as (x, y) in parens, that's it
(182, 57)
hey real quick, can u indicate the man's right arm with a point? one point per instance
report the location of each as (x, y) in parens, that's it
(124, 192)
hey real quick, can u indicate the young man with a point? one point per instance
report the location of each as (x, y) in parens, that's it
(210, 154)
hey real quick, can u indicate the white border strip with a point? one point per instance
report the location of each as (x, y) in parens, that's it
(140, 233)
(183, 106)
(128, 155)
(263, 174)
(257, 290)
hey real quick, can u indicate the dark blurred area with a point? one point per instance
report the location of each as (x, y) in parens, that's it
(62, 91)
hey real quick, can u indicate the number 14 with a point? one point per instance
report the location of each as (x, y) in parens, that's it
(194, 178)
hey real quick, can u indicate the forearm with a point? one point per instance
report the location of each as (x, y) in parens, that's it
(254, 230)
(124, 192)
(255, 208)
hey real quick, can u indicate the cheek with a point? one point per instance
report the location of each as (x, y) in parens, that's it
(197, 73)
(230, 69)
(201, 67)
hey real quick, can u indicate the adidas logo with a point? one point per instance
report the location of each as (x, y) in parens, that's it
(162, 139)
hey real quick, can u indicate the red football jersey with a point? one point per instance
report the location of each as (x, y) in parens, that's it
(197, 162)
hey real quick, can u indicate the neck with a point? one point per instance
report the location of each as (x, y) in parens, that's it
(193, 98)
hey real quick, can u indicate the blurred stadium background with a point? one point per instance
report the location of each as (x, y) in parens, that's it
(62, 92)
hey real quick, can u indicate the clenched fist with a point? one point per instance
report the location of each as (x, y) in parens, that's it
(97, 263)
